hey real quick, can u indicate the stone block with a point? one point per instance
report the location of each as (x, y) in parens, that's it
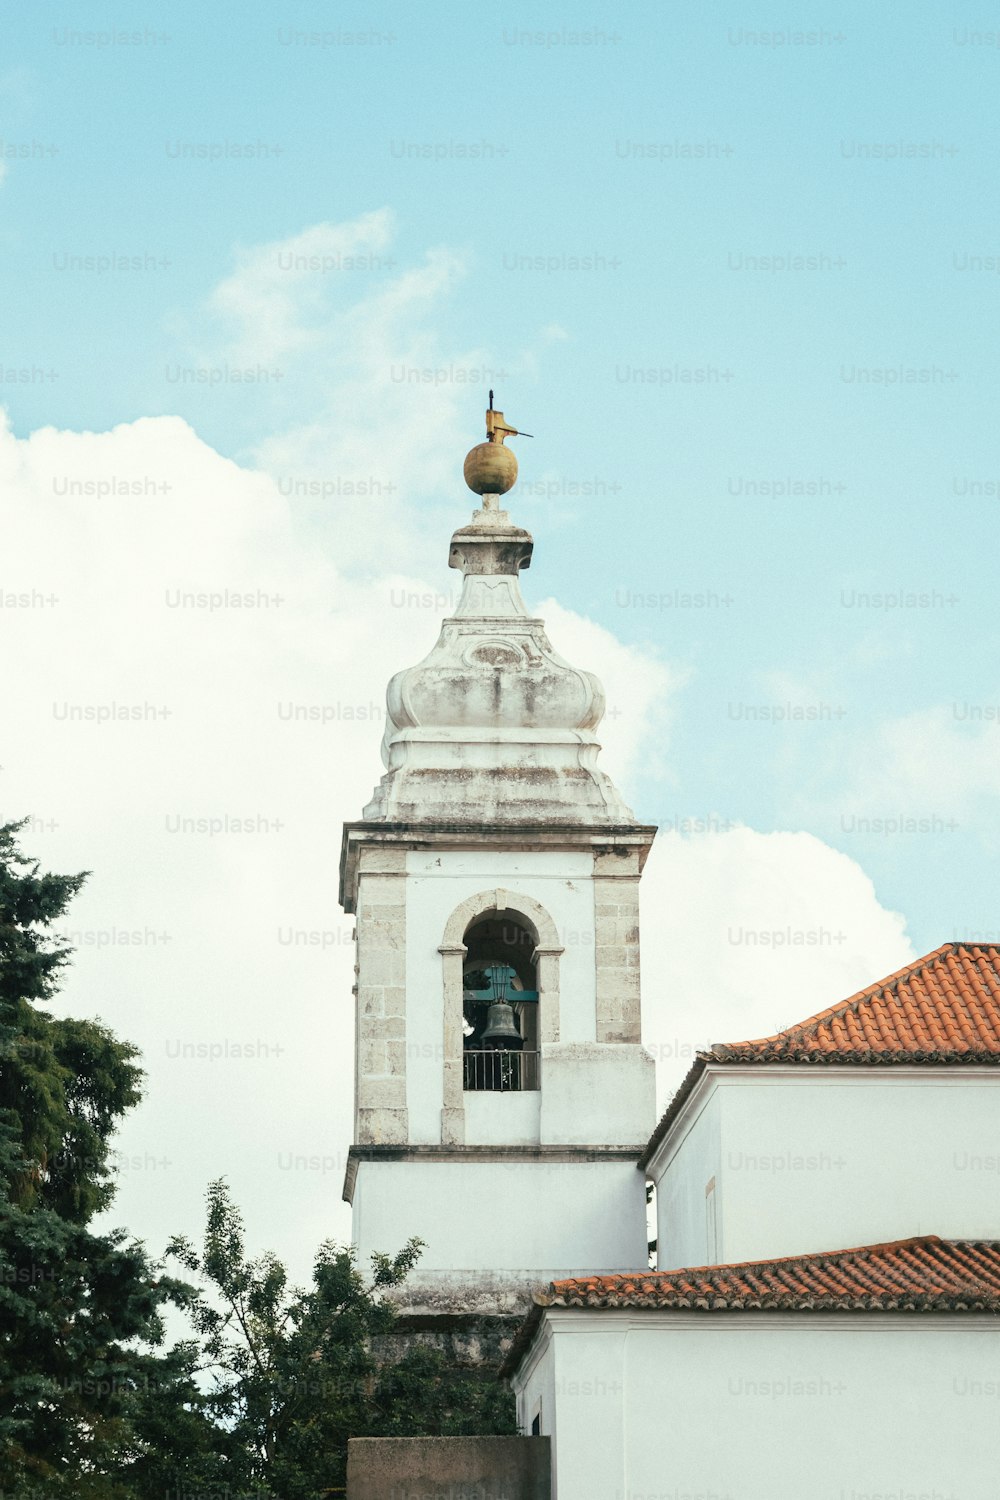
(466, 1468)
(386, 966)
(372, 1057)
(617, 866)
(394, 1000)
(618, 979)
(382, 1127)
(377, 933)
(385, 1028)
(453, 1127)
(381, 1093)
(371, 858)
(380, 890)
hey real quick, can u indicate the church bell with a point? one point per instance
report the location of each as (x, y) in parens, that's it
(501, 1030)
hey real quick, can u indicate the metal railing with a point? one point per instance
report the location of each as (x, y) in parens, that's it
(501, 1072)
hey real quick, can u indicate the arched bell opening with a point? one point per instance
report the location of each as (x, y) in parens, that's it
(509, 910)
(500, 1004)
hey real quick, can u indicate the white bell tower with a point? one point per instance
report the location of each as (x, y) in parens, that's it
(496, 860)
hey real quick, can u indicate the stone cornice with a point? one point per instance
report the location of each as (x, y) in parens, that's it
(611, 838)
(538, 1155)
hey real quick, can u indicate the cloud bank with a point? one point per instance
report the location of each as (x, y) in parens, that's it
(195, 670)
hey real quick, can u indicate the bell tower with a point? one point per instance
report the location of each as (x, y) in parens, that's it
(502, 1093)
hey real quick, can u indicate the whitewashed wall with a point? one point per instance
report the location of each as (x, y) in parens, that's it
(681, 1215)
(515, 1221)
(766, 1406)
(824, 1159)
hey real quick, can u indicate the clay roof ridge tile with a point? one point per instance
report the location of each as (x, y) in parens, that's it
(878, 988)
(918, 1009)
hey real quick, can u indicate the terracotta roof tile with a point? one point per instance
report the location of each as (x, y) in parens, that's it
(947, 1002)
(925, 1274)
(943, 1009)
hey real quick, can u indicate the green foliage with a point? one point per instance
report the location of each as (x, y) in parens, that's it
(80, 1404)
(64, 1083)
(294, 1371)
(262, 1399)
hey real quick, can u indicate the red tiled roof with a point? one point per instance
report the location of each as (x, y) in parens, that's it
(945, 1008)
(947, 1002)
(925, 1274)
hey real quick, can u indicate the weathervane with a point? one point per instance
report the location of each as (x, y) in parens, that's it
(490, 468)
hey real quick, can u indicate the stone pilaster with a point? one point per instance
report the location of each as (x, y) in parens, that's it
(453, 1106)
(381, 1116)
(546, 957)
(616, 938)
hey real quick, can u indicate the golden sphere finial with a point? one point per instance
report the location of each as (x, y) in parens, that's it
(490, 468)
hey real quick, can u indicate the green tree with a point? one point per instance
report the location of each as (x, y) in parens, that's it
(261, 1401)
(84, 1394)
(294, 1372)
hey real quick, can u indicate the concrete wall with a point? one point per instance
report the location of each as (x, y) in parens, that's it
(493, 1119)
(597, 1086)
(490, 1225)
(472, 1468)
(823, 1159)
(475, 1343)
(767, 1406)
(681, 1190)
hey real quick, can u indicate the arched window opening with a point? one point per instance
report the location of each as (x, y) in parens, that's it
(500, 1005)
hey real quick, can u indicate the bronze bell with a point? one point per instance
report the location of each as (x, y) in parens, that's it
(501, 1028)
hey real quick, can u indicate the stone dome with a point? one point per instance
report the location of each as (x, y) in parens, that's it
(493, 725)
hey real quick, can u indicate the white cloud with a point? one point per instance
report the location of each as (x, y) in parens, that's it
(210, 686)
(938, 767)
(640, 692)
(219, 962)
(372, 411)
(132, 548)
(139, 533)
(282, 295)
(745, 933)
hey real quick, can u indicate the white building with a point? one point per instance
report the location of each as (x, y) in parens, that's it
(858, 1375)
(495, 852)
(504, 1114)
(875, 1120)
(853, 1374)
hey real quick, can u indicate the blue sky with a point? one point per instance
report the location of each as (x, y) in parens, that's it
(735, 269)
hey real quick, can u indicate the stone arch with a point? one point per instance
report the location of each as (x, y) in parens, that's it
(452, 949)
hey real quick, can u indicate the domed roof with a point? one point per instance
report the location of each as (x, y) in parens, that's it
(493, 725)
